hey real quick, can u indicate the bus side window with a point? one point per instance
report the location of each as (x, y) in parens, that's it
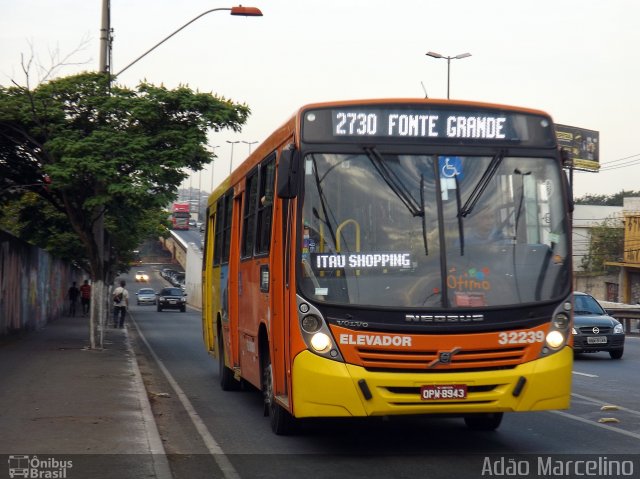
(217, 244)
(249, 215)
(265, 206)
(226, 228)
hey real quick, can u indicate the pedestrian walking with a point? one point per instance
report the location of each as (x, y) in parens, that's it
(73, 295)
(120, 305)
(85, 297)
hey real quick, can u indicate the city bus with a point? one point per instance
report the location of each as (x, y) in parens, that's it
(394, 257)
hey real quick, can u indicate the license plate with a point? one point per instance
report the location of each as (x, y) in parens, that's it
(443, 392)
(596, 339)
(172, 301)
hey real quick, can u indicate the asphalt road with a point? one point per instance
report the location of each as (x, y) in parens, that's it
(211, 433)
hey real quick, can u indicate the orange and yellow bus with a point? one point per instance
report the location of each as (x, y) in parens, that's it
(389, 257)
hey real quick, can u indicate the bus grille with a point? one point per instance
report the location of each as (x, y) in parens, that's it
(464, 360)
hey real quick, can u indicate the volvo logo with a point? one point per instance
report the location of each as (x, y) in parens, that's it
(596, 330)
(352, 324)
(444, 357)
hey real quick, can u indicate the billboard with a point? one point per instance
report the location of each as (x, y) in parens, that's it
(583, 146)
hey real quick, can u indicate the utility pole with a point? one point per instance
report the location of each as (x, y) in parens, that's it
(98, 313)
(105, 38)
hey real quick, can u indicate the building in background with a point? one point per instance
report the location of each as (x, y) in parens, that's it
(629, 277)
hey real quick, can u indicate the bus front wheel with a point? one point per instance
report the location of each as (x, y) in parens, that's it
(484, 422)
(282, 423)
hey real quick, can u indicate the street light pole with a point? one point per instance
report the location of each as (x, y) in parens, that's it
(231, 159)
(238, 11)
(457, 57)
(249, 143)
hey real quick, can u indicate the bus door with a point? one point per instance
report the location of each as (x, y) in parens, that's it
(233, 285)
(283, 297)
(253, 296)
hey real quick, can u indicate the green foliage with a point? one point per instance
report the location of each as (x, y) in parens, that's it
(615, 199)
(606, 245)
(106, 150)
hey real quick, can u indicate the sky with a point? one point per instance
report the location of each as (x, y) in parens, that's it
(578, 60)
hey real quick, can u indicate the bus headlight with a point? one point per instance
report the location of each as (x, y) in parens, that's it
(310, 323)
(320, 342)
(560, 329)
(315, 331)
(561, 321)
(555, 339)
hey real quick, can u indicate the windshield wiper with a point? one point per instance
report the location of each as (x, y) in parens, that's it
(482, 184)
(394, 182)
(401, 191)
(424, 217)
(460, 225)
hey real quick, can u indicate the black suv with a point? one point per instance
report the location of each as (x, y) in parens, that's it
(594, 330)
(172, 298)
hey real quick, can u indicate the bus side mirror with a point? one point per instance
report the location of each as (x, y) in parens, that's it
(288, 172)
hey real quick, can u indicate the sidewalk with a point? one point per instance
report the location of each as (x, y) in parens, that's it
(77, 409)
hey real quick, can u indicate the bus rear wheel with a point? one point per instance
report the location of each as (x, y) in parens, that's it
(282, 423)
(227, 380)
(484, 422)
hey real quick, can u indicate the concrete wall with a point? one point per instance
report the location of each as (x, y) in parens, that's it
(178, 251)
(596, 286)
(193, 276)
(586, 217)
(33, 285)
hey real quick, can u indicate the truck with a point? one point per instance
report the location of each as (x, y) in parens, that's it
(180, 215)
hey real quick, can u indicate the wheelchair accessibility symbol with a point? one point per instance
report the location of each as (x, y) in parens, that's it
(450, 167)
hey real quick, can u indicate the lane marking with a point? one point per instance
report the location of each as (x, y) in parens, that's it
(228, 471)
(585, 374)
(596, 424)
(600, 403)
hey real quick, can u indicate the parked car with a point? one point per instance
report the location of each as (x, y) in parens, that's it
(145, 296)
(142, 277)
(172, 298)
(177, 279)
(166, 272)
(594, 330)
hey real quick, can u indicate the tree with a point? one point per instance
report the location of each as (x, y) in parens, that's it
(615, 199)
(606, 245)
(92, 153)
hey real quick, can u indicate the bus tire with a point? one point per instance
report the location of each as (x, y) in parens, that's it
(227, 380)
(282, 423)
(484, 422)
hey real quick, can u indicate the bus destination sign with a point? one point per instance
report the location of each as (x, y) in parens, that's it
(421, 125)
(431, 124)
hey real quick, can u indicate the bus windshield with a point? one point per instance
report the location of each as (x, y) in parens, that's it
(415, 231)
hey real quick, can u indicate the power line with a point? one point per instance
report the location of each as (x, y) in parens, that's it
(621, 159)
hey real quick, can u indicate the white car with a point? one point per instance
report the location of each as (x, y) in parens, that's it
(145, 296)
(142, 277)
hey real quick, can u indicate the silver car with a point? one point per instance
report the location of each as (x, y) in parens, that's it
(146, 296)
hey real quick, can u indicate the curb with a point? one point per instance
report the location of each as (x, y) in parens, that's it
(154, 441)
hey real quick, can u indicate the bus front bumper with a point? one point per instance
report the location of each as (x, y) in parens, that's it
(325, 388)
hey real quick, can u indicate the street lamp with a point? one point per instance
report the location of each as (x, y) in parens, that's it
(457, 57)
(231, 159)
(249, 143)
(238, 11)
